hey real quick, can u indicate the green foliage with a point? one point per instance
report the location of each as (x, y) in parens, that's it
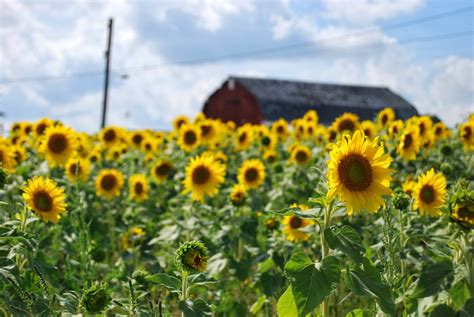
(432, 279)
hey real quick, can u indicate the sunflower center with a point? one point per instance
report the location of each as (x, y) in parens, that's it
(395, 129)
(205, 130)
(75, 168)
(465, 212)
(148, 146)
(201, 175)
(280, 129)
(427, 194)
(355, 172)
(422, 128)
(28, 129)
(57, 143)
(346, 125)
(438, 131)
(332, 135)
(190, 137)
(384, 119)
(40, 128)
(296, 222)
(180, 123)
(407, 141)
(138, 188)
(43, 202)
(137, 139)
(301, 156)
(467, 133)
(242, 137)
(251, 175)
(109, 135)
(367, 132)
(266, 141)
(108, 182)
(162, 169)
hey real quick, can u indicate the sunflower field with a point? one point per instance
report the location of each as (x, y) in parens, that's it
(361, 218)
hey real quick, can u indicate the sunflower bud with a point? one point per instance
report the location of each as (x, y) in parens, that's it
(140, 276)
(446, 150)
(401, 201)
(463, 209)
(446, 168)
(271, 223)
(192, 256)
(95, 299)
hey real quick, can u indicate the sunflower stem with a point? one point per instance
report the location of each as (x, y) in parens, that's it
(325, 249)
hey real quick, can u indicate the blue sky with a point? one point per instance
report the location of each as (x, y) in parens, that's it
(348, 41)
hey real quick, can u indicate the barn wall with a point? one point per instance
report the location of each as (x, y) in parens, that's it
(236, 104)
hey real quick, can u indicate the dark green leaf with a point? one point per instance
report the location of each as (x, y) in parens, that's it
(366, 281)
(441, 310)
(166, 280)
(358, 313)
(311, 283)
(201, 279)
(197, 308)
(432, 279)
(346, 240)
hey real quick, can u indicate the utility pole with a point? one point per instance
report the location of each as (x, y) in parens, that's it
(107, 64)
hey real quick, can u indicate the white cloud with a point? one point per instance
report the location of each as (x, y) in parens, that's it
(368, 11)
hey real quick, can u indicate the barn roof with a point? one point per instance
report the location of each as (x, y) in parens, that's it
(291, 99)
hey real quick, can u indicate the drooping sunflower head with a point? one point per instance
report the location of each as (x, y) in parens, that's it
(385, 117)
(466, 133)
(300, 154)
(293, 225)
(409, 143)
(220, 157)
(369, 128)
(462, 210)
(138, 187)
(179, 121)
(408, 186)
(78, 169)
(252, 173)
(358, 173)
(59, 144)
(44, 198)
(237, 195)
(161, 170)
(95, 299)
(192, 256)
(189, 137)
(429, 193)
(203, 177)
(347, 122)
(108, 183)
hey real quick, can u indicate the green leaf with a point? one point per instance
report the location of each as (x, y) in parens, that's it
(358, 313)
(432, 279)
(441, 310)
(286, 306)
(467, 309)
(313, 213)
(170, 282)
(201, 279)
(266, 265)
(346, 240)
(366, 281)
(197, 308)
(311, 283)
(257, 306)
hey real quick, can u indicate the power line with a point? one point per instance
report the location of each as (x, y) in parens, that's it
(263, 51)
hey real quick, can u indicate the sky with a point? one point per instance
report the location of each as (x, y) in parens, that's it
(173, 54)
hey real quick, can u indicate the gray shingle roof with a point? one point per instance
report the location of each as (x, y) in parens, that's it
(291, 99)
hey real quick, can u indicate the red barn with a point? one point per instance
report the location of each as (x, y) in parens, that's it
(254, 100)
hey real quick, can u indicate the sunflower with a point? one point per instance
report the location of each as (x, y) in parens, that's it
(136, 138)
(408, 186)
(209, 130)
(40, 126)
(132, 237)
(161, 170)
(19, 153)
(466, 133)
(108, 183)
(220, 157)
(292, 226)
(7, 157)
(440, 131)
(280, 129)
(15, 128)
(300, 154)
(59, 144)
(26, 128)
(463, 212)
(189, 137)
(251, 174)
(369, 128)
(312, 117)
(346, 122)
(180, 121)
(385, 116)
(149, 145)
(95, 155)
(237, 196)
(331, 134)
(429, 193)
(110, 136)
(409, 143)
(45, 199)
(84, 145)
(358, 173)
(78, 169)
(138, 187)
(268, 141)
(203, 177)
(116, 151)
(395, 127)
(244, 138)
(270, 156)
